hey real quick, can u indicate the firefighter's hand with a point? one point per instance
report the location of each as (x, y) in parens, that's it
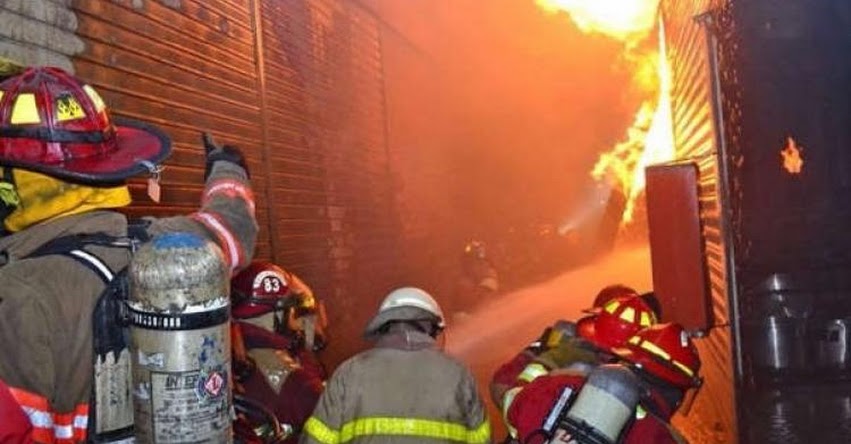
(218, 153)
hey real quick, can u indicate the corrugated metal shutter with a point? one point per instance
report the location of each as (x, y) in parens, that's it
(187, 68)
(330, 189)
(307, 108)
(714, 415)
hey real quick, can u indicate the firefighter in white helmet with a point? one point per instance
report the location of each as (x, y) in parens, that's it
(404, 389)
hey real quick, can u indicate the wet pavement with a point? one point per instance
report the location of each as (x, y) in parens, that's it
(494, 332)
(818, 412)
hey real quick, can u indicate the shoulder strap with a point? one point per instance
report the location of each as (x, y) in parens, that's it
(93, 263)
(72, 246)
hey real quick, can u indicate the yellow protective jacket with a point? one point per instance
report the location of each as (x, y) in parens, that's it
(402, 391)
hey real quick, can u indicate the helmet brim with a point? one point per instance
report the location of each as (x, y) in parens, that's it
(139, 147)
(405, 313)
(659, 369)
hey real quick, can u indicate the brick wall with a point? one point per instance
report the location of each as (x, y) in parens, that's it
(39, 32)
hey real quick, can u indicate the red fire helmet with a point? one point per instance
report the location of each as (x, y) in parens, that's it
(53, 123)
(616, 322)
(611, 292)
(666, 352)
(260, 288)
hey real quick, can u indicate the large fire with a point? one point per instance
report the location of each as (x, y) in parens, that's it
(650, 138)
(622, 19)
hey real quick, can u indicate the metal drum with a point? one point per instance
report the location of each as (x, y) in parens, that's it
(775, 327)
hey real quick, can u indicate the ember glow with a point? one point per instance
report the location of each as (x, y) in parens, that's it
(650, 138)
(791, 155)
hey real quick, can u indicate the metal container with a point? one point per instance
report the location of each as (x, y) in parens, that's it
(830, 342)
(778, 344)
(180, 341)
(775, 327)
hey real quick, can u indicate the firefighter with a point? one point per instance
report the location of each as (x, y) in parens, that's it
(559, 344)
(64, 164)
(283, 373)
(592, 344)
(405, 389)
(479, 275)
(666, 364)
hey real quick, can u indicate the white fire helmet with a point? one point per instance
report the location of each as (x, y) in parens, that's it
(406, 304)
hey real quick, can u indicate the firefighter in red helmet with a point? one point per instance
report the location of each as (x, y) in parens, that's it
(274, 317)
(64, 162)
(557, 344)
(665, 364)
(596, 336)
(263, 287)
(669, 364)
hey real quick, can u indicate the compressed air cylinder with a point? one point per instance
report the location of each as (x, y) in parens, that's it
(604, 406)
(180, 341)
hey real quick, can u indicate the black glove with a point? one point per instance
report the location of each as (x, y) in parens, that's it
(226, 153)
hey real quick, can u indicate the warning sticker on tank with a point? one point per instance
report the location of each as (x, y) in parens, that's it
(190, 406)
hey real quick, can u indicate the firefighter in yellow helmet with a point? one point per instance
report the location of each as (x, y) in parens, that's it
(404, 389)
(64, 162)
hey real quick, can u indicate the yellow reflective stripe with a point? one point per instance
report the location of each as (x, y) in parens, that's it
(321, 432)
(628, 315)
(531, 372)
(645, 319)
(24, 110)
(683, 367)
(414, 427)
(96, 99)
(612, 307)
(424, 428)
(507, 399)
(640, 413)
(656, 350)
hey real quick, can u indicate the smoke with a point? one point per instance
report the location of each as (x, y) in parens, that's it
(502, 327)
(515, 106)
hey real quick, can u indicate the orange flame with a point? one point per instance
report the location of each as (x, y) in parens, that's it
(624, 20)
(791, 155)
(650, 138)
